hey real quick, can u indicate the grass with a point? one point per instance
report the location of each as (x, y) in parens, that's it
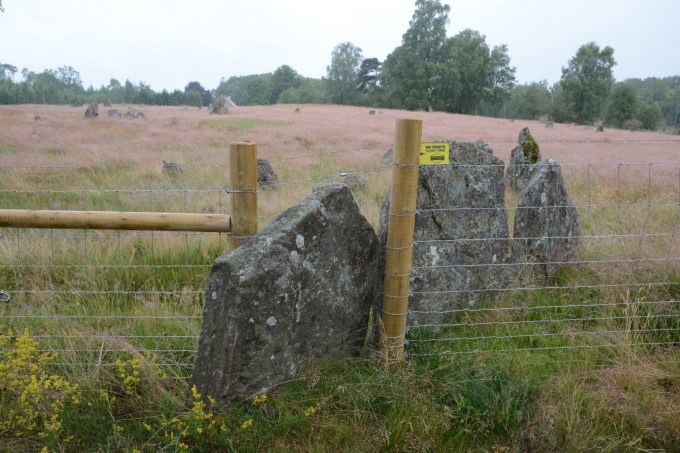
(239, 124)
(578, 368)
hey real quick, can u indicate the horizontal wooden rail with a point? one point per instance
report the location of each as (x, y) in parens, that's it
(112, 220)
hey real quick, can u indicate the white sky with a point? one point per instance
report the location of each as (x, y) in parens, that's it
(167, 43)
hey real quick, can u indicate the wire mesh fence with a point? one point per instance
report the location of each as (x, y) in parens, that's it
(94, 295)
(478, 294)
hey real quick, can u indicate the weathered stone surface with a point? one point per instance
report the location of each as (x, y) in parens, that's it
(522, 161)
(92, 111)
(113, 113)
(175, 121)
(300, 289)
(266, 177)
(546, 226)
(461, 229)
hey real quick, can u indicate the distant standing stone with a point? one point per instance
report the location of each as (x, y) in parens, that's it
(388, 156)
(266, 177)
(546, 229)
(113, 113)
(301, 289)
(356, 181)
(92, 111)
(175, 121)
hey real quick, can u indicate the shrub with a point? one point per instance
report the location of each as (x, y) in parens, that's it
(33, 400)
(632, 125)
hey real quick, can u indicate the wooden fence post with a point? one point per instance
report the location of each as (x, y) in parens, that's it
(243, 172)
(402, 216)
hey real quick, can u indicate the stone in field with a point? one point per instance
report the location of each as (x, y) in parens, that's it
(546, 225)
(266, 176)
(299, 290)
(92, 111)
(461, 233)
(522, 161)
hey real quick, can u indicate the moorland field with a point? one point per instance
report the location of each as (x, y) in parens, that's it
(98, 339)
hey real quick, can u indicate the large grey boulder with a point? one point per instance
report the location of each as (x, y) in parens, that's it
(523, 161)
(546, 226)
(461, 233)
(300, 289)
(266, 176)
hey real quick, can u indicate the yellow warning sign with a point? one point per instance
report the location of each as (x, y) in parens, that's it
(434, 153)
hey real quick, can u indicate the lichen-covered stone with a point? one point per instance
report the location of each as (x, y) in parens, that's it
(546, 226)
(300, 289)
(523, 161)
(266, 177)
(461, 233)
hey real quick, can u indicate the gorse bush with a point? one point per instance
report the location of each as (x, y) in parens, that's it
(33, 399)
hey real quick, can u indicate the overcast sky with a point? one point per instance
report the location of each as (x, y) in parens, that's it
(167, 43)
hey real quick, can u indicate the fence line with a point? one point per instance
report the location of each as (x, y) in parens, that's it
(645, 305)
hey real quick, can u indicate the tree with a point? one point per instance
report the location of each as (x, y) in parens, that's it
(466, 73)
(258, 91)
(310, 92)
(501, 78)
(650, 115)
(412, 71)
(196, 87)
(368, 81)
(585, 84)
(530, 101)
(283, 78)
(341, 76)
(624, 104)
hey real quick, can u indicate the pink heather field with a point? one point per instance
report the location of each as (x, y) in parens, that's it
(305, 147)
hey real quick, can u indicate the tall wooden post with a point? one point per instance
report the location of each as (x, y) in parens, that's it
(243, 172)
(402, 216)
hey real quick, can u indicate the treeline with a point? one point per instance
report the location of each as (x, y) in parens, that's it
(64, 86)
(427, 71)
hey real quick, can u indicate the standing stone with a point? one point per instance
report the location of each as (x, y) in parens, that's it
(113, 113)
(461, 233)
(301, 289)
(266, 177)
(219, 106)
(522, 161)
(387, 157)
(356, 181)
(546, 229)
(92, 111)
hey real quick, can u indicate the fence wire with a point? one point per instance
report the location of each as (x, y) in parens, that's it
(93, 297)
(476, 292)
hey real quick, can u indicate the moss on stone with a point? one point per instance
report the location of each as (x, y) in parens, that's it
(531, 150)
